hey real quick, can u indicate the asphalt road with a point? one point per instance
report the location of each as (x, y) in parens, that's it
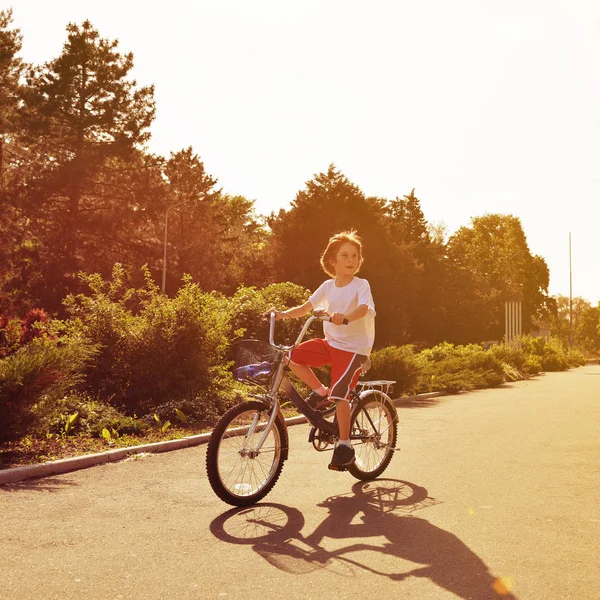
(495, 494)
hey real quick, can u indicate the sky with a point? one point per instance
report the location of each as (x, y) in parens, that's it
(482, 106)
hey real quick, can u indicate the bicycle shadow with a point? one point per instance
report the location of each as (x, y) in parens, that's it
(380, 508)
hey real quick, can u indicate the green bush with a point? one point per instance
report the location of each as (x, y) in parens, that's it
(204, 408)
(575, 358)
(249, 303)
(45, 370)
(10, 335)
(533, 364)
(120, 424)
(92, 417)
(455, 368)
(514, 362)
(550, 353)
(399, 363)
(154, 349)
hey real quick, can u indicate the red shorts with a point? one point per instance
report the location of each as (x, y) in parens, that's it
(345, 366)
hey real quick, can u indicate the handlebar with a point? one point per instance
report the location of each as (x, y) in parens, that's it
(309, 322)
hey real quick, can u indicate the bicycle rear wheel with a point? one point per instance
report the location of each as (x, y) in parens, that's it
(238, 473)
(374, 430)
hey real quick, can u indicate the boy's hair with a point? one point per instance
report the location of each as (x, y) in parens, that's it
(335, 242)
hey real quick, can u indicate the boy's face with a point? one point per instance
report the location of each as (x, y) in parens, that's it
(347, 260)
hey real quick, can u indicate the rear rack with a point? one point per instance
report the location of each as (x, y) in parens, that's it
(382, 385)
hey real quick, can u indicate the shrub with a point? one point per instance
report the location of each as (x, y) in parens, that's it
(10, 335)
(533, 364)
(575, 358)
(121, 424)
(248, 304)
(550, 353)
(45, 369)
(33, 325)
(167, 350)
(399, 363)
(455, 368)
(93, 416)
(514, 362)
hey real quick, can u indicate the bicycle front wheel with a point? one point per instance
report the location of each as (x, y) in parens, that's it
(374, 430)
(240, 473)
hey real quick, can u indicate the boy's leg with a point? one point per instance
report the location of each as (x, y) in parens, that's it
(342, 411)
(305, 374)
(312, 353)
(345, 371)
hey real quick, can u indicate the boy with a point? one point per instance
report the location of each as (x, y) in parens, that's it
(345, 347)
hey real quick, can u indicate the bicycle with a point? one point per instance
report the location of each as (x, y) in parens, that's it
(249, 445)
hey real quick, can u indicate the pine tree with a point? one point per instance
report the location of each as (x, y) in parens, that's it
(85, 121)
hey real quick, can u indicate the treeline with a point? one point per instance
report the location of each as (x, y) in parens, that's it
(80, 192)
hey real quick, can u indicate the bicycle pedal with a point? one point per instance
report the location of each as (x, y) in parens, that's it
(340, 467)
(336, 468)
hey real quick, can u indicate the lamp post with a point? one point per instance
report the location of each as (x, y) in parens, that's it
(570, 297)
(164, 270)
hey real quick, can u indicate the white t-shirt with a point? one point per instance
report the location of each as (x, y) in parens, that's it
(358, 336)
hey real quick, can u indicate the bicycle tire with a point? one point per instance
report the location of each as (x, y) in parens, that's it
(235, 475)
(373, 454)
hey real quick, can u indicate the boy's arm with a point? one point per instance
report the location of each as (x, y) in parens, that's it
(292, 313)
(358, 313)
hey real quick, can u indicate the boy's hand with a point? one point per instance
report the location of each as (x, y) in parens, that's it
(278, 314)
(338, 318)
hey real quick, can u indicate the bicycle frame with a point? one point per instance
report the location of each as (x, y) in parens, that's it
(281, 381)
(250, 443)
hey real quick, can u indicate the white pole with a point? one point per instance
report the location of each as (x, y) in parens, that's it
(570, 297)
(520, 324)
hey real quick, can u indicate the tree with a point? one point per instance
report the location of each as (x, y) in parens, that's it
(586, 319)
(423, 283)
(15, 250)
(11, 68)
(84, 121)
(330, 203)
(215, 238)
(408, 221)
(494, 251)
(587, 334)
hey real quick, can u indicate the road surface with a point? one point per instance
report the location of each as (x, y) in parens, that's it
(495, 494)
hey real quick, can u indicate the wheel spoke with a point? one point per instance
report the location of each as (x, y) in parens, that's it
(240, 472)
(375, 422)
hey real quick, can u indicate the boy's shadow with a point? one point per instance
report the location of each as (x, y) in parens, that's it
(378, 508)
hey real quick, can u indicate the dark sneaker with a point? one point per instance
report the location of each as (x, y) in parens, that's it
(343, 457)
(318, 402)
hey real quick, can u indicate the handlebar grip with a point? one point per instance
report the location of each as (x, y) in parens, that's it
(344, 322)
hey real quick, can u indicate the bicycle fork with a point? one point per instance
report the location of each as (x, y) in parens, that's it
(254, 452)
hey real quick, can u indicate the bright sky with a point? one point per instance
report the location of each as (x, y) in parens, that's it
(483, 106)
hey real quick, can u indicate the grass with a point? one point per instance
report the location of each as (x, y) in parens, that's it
(30, 450)
(35, 450)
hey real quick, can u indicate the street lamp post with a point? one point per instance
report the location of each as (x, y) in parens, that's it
(164, 270)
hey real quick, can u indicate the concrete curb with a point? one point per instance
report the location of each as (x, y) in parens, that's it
(66, 465)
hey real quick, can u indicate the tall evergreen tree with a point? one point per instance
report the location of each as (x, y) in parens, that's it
(85, 120)
(11, 68)
(408, 223)
(215, 238)
(329, 203)
(16, 274)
